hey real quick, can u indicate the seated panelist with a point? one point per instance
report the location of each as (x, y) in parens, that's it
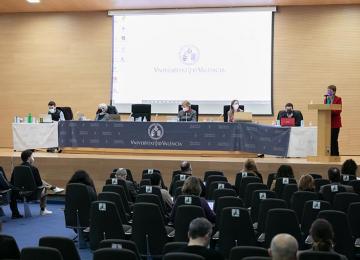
(289, 112)
(102, 113)
(234, 107)
(187, 114)
(56, 114)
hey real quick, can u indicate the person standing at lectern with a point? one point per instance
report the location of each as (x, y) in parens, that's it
(331, 98)
(234, 107)
(187, 114)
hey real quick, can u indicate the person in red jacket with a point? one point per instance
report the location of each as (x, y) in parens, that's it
(331, 98)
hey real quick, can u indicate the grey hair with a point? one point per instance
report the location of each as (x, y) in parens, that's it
(284, 247)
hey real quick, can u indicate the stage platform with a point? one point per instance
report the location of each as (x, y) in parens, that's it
(57, 168)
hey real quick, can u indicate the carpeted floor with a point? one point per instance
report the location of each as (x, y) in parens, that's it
(28, 231)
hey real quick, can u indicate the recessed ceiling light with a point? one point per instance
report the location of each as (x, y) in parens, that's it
(33, 1)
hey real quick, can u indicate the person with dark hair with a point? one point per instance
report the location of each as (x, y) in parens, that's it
(234, 107)
(155, 179)
(28, 160)
(56, 114)
(334, 177)
(192, 187)
(284, 171)
(331, 98)
(200, 230)
(250, 167)
(81, 176)
(185, 167)
(322, 234)
(349, 167)
(289, 112)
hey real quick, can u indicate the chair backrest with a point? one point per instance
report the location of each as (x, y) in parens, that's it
(40, 253)
(121, 191)
(129, 175)
(225, 202)
(250, 188)
(178, 192)
(280, 184)
(207, 174)
(145, 182)
(68, 114)
(4, 184)
(329, 191)
(193, 107)
(318, 255)
(152, 190)
(186, 200)
(148, 228)
(116, 181)
(182, 256)
(342, 200)
(235, 229)
(216, 185)
(121, 244)
(354, 216)
(184, 215)
(244, 182)
(151, 198)
(219, 193)
(23, 178)
(342, 234)
(310, 213)
(171, 247)
(315, 175)
(116, 199)
(299, 199)
(146, 174)
(105, 223)
(77, 205)
(319, 183)
(8, 247)
(264, 207)
(214, 178)
(270, 179)
(65, 246)
(114, 254)
(345, 178)
(356, 185)
(239, 252)
(281, 221)
(174, 184)
(256, 258)
(288, 191)
(257, 197)
(239, 177)
(141, 110)
(226, 110)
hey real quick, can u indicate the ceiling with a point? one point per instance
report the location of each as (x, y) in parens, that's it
(11, 6)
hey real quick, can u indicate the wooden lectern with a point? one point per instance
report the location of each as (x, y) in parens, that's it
(324, 131)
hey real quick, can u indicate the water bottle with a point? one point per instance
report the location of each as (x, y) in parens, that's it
(29, 118)
(302, 123)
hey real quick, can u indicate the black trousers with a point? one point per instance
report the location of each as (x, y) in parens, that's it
(334, 141)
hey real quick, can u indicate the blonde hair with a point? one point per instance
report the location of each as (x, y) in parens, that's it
(250, 166)
(191, 186)
(185, 103)
(306, 183)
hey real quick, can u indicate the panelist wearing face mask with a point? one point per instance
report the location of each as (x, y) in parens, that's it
(289, 112)
(187, 114)
(331, 98)
(234, 107)
(102, 113)
(56, 114)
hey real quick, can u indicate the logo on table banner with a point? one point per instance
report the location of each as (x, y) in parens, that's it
(189, 54)
(155, 131)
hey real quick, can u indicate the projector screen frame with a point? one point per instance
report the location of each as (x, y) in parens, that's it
(165, 11)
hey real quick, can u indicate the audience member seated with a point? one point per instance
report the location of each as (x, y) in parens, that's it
(200, 230)
(156, 181)
(283, 247)
(349, 167)
(192, 187)
(334, 177)
(289, 112)
(306, 183)
(322, 234)
(56, 114)
(102, 113)
(284, 171)
(28, 159)
(81, 176)
(121, 174)
(187, 114)
(250, 167)
(185, 167)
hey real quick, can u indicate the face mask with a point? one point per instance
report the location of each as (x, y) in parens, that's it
(330, 92)
(236, 106)
(52, 110)
(185, 109)
(289, 110)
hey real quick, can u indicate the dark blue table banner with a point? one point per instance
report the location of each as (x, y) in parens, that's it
(211, 136)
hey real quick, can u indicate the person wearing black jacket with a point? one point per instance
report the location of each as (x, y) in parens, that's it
(289, 112)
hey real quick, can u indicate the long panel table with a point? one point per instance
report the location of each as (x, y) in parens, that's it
(201, 136)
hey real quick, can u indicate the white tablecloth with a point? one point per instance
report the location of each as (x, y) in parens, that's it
(303, 142)
(35, 136)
